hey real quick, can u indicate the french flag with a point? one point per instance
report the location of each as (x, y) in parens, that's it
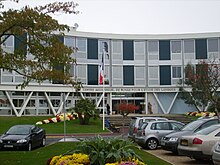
(101, 72)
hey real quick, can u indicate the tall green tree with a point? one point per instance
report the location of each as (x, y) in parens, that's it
(202, 82)
(39, 52)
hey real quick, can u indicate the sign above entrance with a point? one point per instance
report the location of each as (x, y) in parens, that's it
(110, 89)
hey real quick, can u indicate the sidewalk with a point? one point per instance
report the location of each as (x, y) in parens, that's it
(123, 132)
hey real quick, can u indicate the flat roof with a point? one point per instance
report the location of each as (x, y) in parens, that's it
(76, 33)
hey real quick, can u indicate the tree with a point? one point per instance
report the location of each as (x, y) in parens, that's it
(124, 109)
(85, 110)
(39, 52)
(204, 81)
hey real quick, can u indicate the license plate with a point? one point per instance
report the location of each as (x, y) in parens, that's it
(162, 143)
(184, 142)
(8, 146)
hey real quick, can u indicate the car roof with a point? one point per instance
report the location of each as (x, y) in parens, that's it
(24, 125)
(147, 117)
(205, 118)
(161, 121)
(186, 132)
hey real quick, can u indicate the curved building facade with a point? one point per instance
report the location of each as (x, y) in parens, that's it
(138, 69)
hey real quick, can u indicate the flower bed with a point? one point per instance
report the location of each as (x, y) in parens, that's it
(83, 159)
(201, 114)
(74, 159)
(59, 118)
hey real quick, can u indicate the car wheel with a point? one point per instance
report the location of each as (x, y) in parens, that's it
(176, 152)
(29, 147)
(152, 144)
(43, 142)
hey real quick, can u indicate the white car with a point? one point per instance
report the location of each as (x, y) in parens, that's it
(200, 145)
(216, 154)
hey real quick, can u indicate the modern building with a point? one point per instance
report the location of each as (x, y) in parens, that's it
(138, 69)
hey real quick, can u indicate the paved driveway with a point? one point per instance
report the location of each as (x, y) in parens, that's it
(177, 160)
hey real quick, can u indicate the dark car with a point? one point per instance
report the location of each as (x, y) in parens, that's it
(23, 137)
(170, 141)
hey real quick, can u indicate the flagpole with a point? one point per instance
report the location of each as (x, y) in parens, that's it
(103, 88)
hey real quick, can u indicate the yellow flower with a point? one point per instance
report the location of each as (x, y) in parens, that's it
(54, 160)
(75, 159)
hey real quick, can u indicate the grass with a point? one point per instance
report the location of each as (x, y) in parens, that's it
(41, 155)
(73, 126)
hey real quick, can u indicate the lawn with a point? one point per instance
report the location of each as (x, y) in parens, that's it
(41, 155)
(73, 126)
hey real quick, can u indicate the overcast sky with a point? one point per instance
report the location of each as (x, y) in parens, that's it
(139, 16)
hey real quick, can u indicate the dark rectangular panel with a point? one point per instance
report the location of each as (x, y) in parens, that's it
(128, 50)
(61, 38)
(164, 50)
(92, 74)
(128, 75)
(165, 75)
(59, 67)
(92, 48)
(201, 48)
(20, 44)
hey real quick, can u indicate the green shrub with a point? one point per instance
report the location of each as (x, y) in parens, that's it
(107, 150)
(85, 110)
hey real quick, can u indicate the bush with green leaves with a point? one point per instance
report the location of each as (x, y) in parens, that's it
(85, 110)
(107, 150)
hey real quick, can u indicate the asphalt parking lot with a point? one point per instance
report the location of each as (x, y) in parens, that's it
(175, 159)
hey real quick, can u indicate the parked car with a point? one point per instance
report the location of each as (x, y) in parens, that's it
(137, 122)
(199, 145)
(170, 141)
(149, 136)
(23, 137)
(216, 154)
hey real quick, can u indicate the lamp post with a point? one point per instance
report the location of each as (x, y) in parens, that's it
(64, 118)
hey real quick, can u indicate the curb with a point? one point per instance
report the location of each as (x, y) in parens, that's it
(84, 135)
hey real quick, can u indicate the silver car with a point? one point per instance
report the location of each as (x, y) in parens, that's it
(216, 154)
(199, 145)
(137, 122)
(149, 136)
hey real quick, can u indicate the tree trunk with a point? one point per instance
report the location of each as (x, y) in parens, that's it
(84, 120)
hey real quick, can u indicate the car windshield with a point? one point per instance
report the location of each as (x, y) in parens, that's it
(208, 130)
(144, 126)
(193, 125)
(141, 121)
(18, 130)
(132, 122)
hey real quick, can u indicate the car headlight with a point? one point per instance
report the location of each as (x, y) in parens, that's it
(173, 139)
(217, 147)
(22, 141)
(1, 141)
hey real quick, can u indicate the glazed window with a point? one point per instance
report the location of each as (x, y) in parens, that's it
(189, 46)
(176, 46)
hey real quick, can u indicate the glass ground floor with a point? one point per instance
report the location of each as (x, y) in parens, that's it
(37, 100)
